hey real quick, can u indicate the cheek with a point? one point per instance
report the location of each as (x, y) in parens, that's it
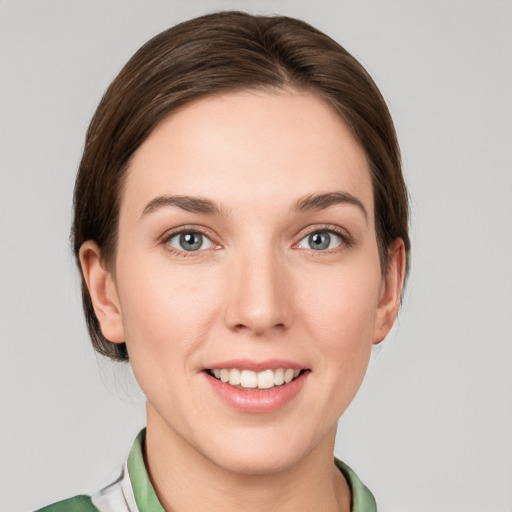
(338, 311)
(342, 300)
(166, 312)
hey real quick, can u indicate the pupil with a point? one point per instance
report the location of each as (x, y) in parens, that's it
(191, 241)
(319, 241)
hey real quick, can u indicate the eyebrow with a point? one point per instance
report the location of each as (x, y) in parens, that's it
(311, 202)
(315, 202)
(188, 203)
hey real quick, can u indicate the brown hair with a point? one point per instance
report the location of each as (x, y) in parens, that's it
(216, 53)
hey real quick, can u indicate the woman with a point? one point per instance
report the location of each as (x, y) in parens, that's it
(241, 229)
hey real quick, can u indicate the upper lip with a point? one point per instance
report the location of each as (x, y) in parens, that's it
(256, 366)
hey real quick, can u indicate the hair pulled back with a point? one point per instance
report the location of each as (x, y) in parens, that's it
(218, 53)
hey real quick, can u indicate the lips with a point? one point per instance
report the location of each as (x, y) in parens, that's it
(251, 387)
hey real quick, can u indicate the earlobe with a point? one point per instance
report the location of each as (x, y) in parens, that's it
(103, 293)
(391, 292)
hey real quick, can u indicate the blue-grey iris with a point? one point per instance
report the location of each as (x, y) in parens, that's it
(319, 241)
(191, 241)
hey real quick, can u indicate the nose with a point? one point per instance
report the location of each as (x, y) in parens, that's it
(259, 294)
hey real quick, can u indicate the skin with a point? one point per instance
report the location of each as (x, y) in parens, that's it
(256, 290)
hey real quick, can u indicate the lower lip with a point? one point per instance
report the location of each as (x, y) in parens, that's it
(256, 400)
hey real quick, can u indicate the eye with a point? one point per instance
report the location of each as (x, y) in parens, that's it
(321, 241)
(189, 241)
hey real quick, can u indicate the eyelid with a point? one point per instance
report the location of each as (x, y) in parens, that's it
(189, 228)
(346, 238)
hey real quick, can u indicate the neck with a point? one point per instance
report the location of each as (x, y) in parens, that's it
(185, 479)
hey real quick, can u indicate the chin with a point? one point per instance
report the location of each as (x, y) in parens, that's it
(265, 453)
(256, 463)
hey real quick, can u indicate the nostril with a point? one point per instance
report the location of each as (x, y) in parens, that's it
(259, 329)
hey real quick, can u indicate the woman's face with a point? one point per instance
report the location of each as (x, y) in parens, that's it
(247, 251)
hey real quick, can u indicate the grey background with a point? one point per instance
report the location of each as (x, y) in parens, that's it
(431, 427)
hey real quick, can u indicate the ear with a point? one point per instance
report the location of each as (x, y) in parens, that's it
(391, 291)
(103, 293)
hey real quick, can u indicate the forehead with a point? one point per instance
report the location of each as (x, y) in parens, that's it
(250, 146)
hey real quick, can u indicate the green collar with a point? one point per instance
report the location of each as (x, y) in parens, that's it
(362, 498)
(145, 495)
(147, 501)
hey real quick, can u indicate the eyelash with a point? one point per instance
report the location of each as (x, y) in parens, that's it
(345, 239)
(182, 231)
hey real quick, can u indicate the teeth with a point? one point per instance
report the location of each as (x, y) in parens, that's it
(235, 377)
(279, 377)
(262, 380)
(248, 379)
(266, 379)
(288, 375)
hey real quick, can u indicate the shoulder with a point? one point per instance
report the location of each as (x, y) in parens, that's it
(116, 496)
(77, 504)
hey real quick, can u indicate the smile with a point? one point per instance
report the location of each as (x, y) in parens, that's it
(248, 379)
